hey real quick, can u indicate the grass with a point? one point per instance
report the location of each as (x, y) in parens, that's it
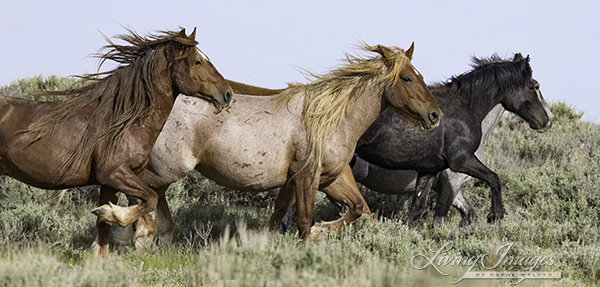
(551, 191)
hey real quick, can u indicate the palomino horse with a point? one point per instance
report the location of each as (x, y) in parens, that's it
(105, 134)
(392, 143)
(300, 140)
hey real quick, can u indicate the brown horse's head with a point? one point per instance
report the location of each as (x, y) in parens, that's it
(194, 75)
(407, 93)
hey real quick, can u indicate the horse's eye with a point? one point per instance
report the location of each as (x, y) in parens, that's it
(407, 80)
(198, 63)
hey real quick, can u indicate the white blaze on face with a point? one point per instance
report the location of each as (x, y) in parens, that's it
(416, 71)
(202, 55)
(541, 99)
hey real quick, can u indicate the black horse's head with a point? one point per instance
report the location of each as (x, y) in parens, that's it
(527, 100)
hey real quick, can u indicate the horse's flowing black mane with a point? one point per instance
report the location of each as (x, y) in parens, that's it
(491, 73)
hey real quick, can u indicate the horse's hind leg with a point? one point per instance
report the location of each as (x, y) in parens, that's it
(343, 189)
(466, 210)
(124, 180)
(424, 182)
(448, 182)
(164, 221)
(100, 245)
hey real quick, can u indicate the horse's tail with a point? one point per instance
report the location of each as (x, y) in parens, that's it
(54, 198)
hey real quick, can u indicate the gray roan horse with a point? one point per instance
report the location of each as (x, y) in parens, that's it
(465, 100)
(300, 140)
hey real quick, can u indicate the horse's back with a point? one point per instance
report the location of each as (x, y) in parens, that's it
(32, 161)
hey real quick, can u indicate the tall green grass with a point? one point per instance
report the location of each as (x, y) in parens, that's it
(551, 191)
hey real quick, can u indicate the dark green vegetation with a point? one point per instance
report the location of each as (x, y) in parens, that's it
(551, 191)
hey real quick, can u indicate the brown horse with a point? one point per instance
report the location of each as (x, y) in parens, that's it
(104, 135)
(300, 140)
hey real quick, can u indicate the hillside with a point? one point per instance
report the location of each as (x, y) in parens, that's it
(551, 192)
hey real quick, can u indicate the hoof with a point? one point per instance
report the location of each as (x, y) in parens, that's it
(493, 217)
(99, 251)
(467, 220)
(111, 213)
(320, 231)
(438, 221)
(104, 212)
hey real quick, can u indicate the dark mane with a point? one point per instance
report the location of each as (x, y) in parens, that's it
(503, 75)
(123, 95)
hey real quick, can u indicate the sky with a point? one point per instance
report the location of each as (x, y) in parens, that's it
(264, 43)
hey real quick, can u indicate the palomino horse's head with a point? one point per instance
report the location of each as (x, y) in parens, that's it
(527, 101)
(408, 95)
(194, 75)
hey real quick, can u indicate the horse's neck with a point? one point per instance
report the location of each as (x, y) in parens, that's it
(162, 106)
(364, 111)
(485, 103)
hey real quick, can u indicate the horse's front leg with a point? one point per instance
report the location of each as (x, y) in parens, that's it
(424, 182)
(123, 179)
(343, 189)
(305, 188)
(473, 167)
(104, 229)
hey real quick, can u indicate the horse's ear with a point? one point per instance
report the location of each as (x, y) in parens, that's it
(518, 57)
(385, 55)
(410, 51)
(182, 33)
(193, 35)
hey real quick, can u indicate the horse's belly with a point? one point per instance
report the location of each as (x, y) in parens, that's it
(42, 164)
(244, 172)
(390, 181)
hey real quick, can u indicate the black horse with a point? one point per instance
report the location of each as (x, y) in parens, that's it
(392, 143)
(404, 181)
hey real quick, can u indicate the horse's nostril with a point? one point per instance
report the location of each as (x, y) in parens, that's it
(434, 117)
(228, 96)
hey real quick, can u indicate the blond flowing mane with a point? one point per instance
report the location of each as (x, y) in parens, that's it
(327, 96)
(124, 95)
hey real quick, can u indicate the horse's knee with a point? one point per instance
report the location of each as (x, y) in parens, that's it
(151, 201)
(357, 209)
